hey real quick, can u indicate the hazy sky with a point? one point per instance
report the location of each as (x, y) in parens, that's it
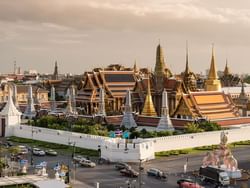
(82, 34)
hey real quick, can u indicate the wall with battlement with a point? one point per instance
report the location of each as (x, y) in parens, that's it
(199, 139)
(117, 150)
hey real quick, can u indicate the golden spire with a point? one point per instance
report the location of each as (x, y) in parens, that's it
(226, 71)
(148, 109)
(160, 64)
(212, 72)
(212, 82)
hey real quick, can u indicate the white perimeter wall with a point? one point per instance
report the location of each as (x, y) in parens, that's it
(142, 149)
(199, 139)
(58, 136)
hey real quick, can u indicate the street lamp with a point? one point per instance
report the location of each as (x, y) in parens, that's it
(70, 117)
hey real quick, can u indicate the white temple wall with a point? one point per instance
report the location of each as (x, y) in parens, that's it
(142, 149)
(199, 139)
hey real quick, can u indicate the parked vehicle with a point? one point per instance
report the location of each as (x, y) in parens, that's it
(185, 180)
(22, 150)
(156, 173)
(120, 166)
(190, 185)
(215, 175)
(8, 144)
(38, 152)
(51, 152)
(78, 158)
(87, 163)
(129, 172)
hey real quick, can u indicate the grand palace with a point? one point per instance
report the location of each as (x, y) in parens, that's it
(189, 96)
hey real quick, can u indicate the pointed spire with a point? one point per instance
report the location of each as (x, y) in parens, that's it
(69, 109)
(30, 111)
(135, 67)
(9, 108)
(165, 123)
(187, 70)
(148, 109)
(226, 71)
(212, 82)
(101, 110)
(53, 98)
(15, 96)
(128, 119)
(73, 99)
(160, 64)
(55, 74)
(212, 72)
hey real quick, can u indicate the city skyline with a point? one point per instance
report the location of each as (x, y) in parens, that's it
(90, 34)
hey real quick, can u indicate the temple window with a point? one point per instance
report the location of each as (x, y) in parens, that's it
(179, 116)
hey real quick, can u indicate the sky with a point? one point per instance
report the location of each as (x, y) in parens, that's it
(83, 34)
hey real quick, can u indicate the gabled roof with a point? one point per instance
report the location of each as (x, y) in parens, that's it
(211, 105)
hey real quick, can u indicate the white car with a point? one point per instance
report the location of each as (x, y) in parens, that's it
(22, 150)
(87, 163)
(78, 158)
(37, 151)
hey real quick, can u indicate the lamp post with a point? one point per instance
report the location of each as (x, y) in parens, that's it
(70, 117)
(140, 169)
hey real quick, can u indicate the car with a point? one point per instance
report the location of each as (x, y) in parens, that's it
(185, 180)
(190, 185)
(7, 144)
(78, 158)
(51, 152)
(120, 166)
(38, 152)
(129, 172)
(22, 150)
(157, 173)
(87, 163)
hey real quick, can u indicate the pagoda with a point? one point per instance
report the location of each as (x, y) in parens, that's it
(165, 124)
(128, 119)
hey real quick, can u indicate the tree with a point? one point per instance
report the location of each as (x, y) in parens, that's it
(209, 126)
(193, 128)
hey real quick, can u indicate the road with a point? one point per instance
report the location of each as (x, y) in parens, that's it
(108, 177)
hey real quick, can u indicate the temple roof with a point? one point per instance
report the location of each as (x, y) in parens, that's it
(210, 105)
(116, 84)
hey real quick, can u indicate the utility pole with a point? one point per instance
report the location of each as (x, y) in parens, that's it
(140, 169)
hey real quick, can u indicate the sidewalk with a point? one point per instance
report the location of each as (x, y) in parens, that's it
(78, 184)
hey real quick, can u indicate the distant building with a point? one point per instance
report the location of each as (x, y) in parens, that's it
(228, 79)
(40, 95)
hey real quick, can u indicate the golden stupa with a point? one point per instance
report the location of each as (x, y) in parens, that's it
(148, 109)
(212, 83)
